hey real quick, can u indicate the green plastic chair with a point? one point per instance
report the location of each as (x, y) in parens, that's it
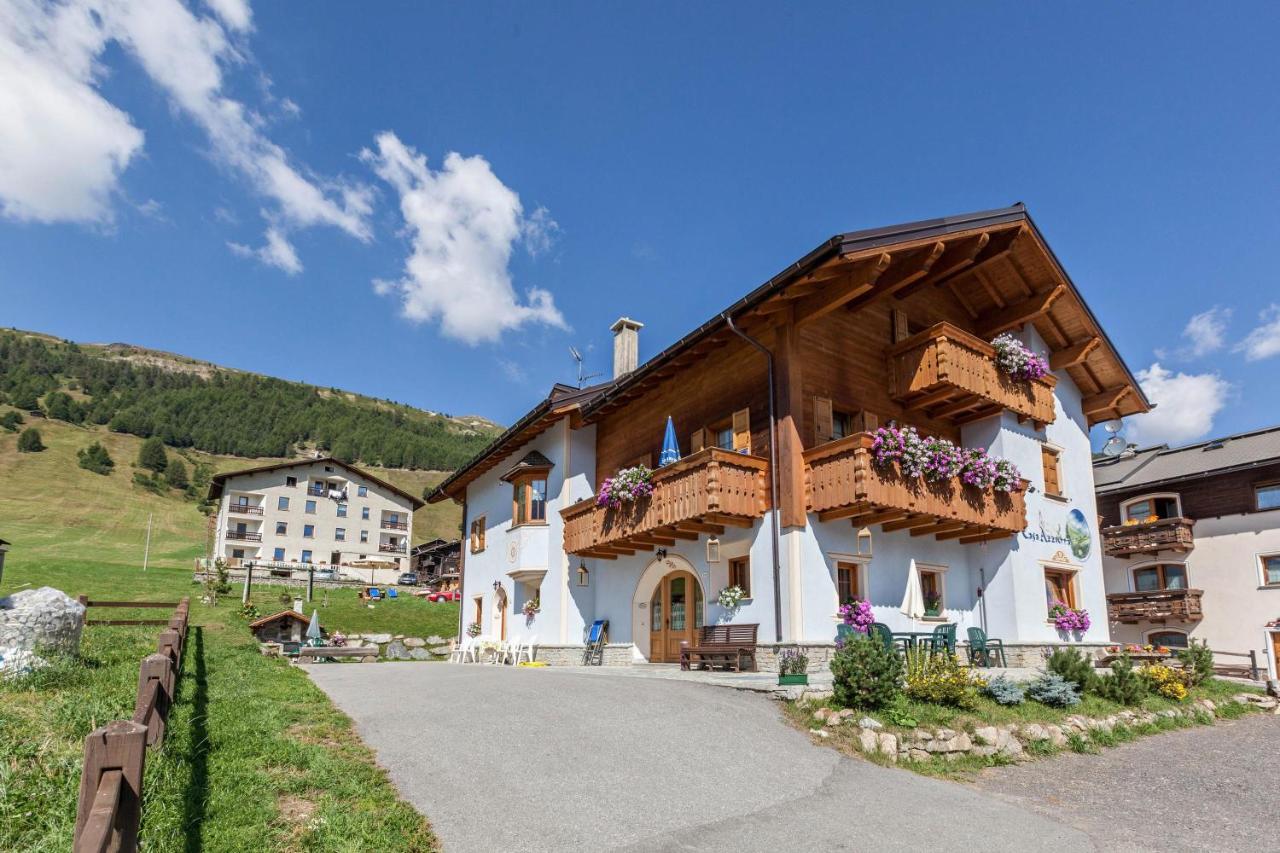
(943, 639)
(981, 646)
(885, 633)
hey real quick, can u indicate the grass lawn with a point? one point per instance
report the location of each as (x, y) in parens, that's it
(257, 757)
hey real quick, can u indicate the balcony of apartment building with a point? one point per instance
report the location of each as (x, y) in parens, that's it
(236, 535)
(947, 374)
(394, 520)
(392, 543)
(704, 492)
(245, 505)
(1161, 593)
(334, 487)
(844, 482)
(1151, 524)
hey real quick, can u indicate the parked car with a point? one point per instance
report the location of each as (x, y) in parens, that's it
(451, 595)
(408, 579)
(325, 575)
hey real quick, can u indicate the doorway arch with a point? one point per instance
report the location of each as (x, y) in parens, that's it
(656, 580)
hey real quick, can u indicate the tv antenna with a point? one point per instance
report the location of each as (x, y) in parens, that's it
(577, 356)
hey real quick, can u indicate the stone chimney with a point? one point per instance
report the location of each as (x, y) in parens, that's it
(626, 346)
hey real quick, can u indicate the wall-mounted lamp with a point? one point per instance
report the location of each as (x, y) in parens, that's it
(497, 585)
(713, 549)
(864, 542)
(584, 577)
(662, 553)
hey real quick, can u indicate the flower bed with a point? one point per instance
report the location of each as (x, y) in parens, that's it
(938, 460)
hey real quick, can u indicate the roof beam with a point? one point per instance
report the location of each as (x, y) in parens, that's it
(700, 527)
(859, 281)
(1108, 399)
(672, 531)
(907, 269)
(651, 540)
(985, 537)
(908, 522)
(959, 256)
(843, 512)
(1019, 313)
(997, 247)
(879, 517)
(940, 527)
(1074, 354)
(729, 520)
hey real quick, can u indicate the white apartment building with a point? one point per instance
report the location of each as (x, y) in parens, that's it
(312, 511)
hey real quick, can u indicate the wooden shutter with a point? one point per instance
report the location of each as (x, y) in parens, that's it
(823, 427)
(901, 326)
(698, 440)
(866, 421)
(742, 431)
(1052, 475)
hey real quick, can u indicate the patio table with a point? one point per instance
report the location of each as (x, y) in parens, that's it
(913, 638)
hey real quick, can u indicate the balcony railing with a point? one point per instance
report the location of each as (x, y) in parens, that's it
(244, 536)
(388, 548)
(1167, 534)
(845, 482)
(246, 509)
(1159, 605)
(701, 493)
(395, 525)
(947, 374)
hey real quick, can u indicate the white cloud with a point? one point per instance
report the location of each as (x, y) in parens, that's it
(463, 223)
(1186, 404)
(277, 252)
(1264, 340)
(63, 147)
(539, 231)
(1205, 333)
(513, 370)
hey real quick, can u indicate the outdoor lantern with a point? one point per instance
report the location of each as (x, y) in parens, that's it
(864, 542)
(584, 577)
(497, 585)
(662, 553)
(713, 549)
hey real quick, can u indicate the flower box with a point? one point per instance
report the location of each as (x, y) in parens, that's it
(794, 678)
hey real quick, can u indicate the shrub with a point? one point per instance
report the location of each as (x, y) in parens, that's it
(1053, 690)
(1005, 691)
(96, 459)
(10, 421)
(1197, 661)
(151, 484)
(1164, 681)
(865, 674)
(939, 678)
(29, 441)
(152, 456)
(1074, 666)
(1123, 686)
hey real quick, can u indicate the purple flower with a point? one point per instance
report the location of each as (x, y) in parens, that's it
(858, 615)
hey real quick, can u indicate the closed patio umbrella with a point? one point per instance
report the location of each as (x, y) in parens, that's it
(313, 630)
(913, 600)
(670, 447)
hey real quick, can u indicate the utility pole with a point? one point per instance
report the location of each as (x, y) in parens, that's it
(146, 550)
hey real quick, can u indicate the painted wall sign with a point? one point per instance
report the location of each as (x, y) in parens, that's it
(1073, 532)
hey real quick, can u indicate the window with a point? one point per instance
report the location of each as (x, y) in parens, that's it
(282, 528)
(364, 513)
(724, 438)
(477, 535)
(311, 507)
(1271, 570)
(306, 556)
(1151, 578)
(1172, 639)
(279, 554)
(1152, 508)
(364, 536)
(477, 615)
(1268, 495)
(529, 500)
(242, 501)
(1051, 457)
(340, 533)
(841, 424)
(308, 531)
(1059, 588)
(740, 574)
(933, 590)
(283, 503)
(342, 510)
(291, 481)
(328, 469)
(848, 582)
(237, 553)
(362, 491)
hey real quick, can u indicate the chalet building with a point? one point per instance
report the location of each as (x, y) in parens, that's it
(776, 401)
(437, 563)
(1191, 544)
(312, 511)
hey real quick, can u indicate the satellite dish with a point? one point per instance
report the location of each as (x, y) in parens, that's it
(1113, 426)
(1114, 446)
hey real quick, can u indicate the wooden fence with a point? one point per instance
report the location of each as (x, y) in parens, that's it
(110, 807)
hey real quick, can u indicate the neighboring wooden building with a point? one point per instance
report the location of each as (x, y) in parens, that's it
(1192, 543)
(873, 327)
(437, 563)
(287, 626)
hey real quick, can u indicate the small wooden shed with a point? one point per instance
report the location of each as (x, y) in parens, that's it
(287, 626)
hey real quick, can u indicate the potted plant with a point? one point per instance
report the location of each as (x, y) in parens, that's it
(730, 598)
(473, 630)
(793, 667)
(933, 605)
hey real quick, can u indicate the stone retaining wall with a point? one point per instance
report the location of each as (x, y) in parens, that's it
(615, 654)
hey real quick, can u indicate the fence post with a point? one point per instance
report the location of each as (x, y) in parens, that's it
(170, 645)
(120, 746)
(84, 600)
(155, 669)
(1253, 664)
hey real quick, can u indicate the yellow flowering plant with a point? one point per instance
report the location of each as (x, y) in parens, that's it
(1165, 681)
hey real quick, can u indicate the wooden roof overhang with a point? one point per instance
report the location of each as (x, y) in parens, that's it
(996, 265)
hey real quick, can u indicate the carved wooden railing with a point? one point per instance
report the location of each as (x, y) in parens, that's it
(1167, 534)
(711, 485)
(844, 481)
(1155, 606)
(951, 375)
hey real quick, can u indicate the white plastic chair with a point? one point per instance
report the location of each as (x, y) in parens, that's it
(464, 649)
(525, 650)
(513, 652)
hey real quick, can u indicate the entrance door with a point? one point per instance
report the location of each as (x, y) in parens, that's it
(675, 612)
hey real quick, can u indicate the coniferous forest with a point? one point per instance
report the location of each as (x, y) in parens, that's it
(225, 411)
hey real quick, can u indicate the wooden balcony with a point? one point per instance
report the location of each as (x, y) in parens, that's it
(844, 482)
(1160, 605)
(702, 493)
(1167, 534)
(246, 509)
(947, 374)
(244, 536)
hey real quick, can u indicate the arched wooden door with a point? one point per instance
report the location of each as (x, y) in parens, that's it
(675, 614)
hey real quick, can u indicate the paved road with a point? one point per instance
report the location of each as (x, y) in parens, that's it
(551, 760)
(1201, 789)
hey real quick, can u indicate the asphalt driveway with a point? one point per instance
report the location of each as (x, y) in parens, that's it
(553, 760)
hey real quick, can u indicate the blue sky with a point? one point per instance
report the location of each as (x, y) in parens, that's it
(248, 185)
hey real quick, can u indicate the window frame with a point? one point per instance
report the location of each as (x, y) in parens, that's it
(1258, 489)
(1149, 637)
(282, 504)
(279, 555)
(306, 556)
(308, 531)
(364, 513)
(1160, 576)
(1262, 570)
(1047, 450)
(1072, 597)
(291, 482)
(282, 528)
(478, 528)
(741, 565)
(939, 572)
(362, 491)
(340, 534)
(1125, 505)
(342, 510)
(309, 508)
(364, 536)
(522, 491)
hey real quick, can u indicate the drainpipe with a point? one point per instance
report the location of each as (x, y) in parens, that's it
(464, 542)
(773, 479)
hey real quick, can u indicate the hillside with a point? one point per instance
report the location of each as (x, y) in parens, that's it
(204, 407)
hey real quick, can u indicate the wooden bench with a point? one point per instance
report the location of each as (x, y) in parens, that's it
(722, 645)
(335, 652)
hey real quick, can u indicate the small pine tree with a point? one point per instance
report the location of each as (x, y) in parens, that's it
(96, 459)
(29, 441)
(152, 456)
(1124, 686)
(1197, 661)
(176, 474)
(865, 674)
(10, 421)
(1074, 666)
